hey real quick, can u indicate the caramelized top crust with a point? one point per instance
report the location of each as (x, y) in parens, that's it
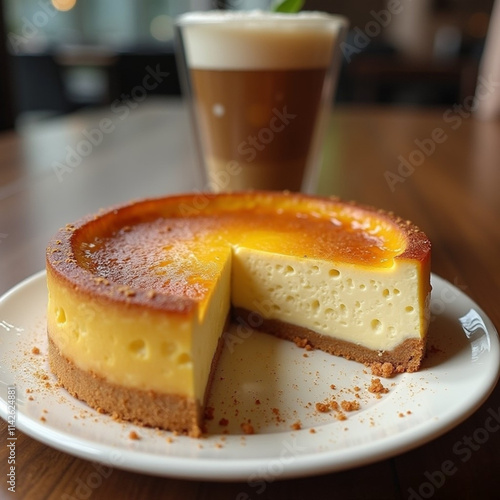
(164, 253)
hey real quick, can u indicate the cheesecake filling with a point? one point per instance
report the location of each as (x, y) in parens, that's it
(376, 308)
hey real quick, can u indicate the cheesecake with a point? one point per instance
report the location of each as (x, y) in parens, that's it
(140, 295)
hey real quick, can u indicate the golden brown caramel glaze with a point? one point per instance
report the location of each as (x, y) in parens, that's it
(124, 254)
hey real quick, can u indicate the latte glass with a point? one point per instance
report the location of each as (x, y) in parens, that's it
(260, 87)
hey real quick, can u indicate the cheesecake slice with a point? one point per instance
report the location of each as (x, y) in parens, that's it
(139, 295)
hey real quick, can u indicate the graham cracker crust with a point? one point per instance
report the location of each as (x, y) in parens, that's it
(407, 357)
(165, 411)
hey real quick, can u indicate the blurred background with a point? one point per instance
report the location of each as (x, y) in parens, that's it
(58, 56)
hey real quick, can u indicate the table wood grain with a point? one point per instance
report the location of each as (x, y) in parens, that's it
(448, 185)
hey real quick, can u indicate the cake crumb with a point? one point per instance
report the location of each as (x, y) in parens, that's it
(349, 405)
(133, 435)
(223, 422)
(35, 350)
(385, 370)
(376, 387)
(43, 419)
(332, 387)
(257, 401)
(100, 279)
(169, 440)
(334, 405)
(302, 343)
(277, 414)
(322, 407)
(29, 391)
(31, 398)
(296, 426)
(127, 291)
(340, 416)
(209, 413)
(312, 431)
(247, 428)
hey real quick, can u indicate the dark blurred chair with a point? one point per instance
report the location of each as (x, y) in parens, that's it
(6, 94)
(132, 67)
(38, 84)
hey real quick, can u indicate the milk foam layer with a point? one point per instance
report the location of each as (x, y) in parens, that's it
(259, 40)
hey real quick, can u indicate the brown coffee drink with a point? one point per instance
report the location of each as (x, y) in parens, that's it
(260, 84)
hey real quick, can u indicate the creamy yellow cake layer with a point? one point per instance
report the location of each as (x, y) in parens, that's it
(374, 308)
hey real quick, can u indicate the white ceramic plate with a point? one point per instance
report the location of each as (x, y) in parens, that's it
(269, 383)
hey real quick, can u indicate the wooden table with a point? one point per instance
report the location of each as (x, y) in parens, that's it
(450, 189)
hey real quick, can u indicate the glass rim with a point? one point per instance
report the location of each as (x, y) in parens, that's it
(224, 17)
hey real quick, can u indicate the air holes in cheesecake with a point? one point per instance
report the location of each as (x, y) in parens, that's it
(376, 325)
(350, 283)
(60, 315)
(138, 347)
(184, 358)
(343, 309)
(315, 269)
(362, 286)
(409, 309)
(391, 331)
(386, 292)
(290, 298)
(334, 273)
(289, 270)
(167, 348)
(315, 305)
(396, 291)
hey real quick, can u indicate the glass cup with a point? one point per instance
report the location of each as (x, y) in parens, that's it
(260, 88)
